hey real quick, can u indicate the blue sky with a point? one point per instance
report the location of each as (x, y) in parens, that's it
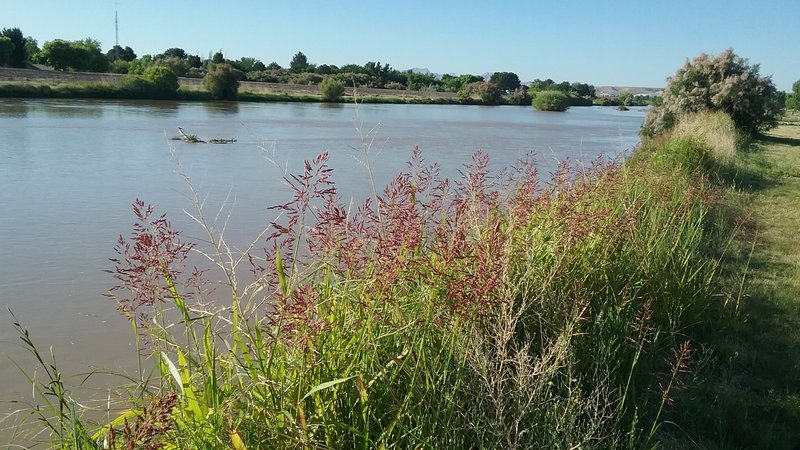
(623, 43)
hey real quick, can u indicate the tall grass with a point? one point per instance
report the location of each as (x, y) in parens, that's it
(494, 311)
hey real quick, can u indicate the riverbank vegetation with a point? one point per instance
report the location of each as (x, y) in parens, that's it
(86, 55)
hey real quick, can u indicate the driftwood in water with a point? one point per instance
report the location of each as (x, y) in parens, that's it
(193, 139)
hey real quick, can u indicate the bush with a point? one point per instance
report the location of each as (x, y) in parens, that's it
(331, 89)
(551, 101)
(726, 83)
(222, 81)
(163, 82)
(490, 94)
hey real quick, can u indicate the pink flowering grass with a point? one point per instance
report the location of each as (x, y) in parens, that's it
(494, 311)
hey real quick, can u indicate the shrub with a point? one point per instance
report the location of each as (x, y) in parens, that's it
(726, 83)
(331, 89)
(163, 82)
(490, 94)
(222, 81)
(551, 101)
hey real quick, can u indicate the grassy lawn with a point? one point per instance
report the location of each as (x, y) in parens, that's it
(749, 394)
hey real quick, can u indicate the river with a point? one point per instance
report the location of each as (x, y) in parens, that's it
(69, 170)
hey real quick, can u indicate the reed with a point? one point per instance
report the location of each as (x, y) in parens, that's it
(494, 311)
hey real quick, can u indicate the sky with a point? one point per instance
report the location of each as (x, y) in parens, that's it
(601, 42)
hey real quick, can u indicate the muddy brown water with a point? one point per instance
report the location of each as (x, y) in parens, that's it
(69, 170)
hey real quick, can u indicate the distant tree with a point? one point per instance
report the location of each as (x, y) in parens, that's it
(222, 81)
(331, 89)
(552, 100)
(542, 85)
(178, 66)
(6, 48)
(18, 53)
(194, 61)
(324, 69)
(299, 63)
(490, 93)
(352, 68)
(520, 96)
(31, 48)
(218, 58)
(249, 64)
(792, 100)
(163, 82)
(119, 53)
(505, 81)
(60, 55)
(583, 90)
(727, 83)
(274, 66)
(119, 66)
(176, 52)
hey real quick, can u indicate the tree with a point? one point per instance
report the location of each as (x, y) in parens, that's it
(18, 53)
(274, 66)
(6, 48)
(727, 83)
(60, 54)
(331, 89)
(583, 90)
(222, 81)
(176, 52)
(218, 58)
(489, 92)
(299, 63)
(553, 100)
(792, 100)
(31, 48)
(505, 81)
(119, 53)
(194, 61)
(247, 64)
(163, 82)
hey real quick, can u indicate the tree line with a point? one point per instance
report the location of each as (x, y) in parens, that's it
(17, 50)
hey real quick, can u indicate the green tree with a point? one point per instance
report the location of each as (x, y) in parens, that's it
(218, 58)
(552, 100)
(163, 82)
(727, 83)
(6, 48)
(18, 53)
(176, 52)
(792, 100)
(60, 54)
(119, 53)
(490, 93)
(583, 90)
(222, 81)
(31, 48)
(194, 61)
(505, 81)
(331, 89)
(299, 63)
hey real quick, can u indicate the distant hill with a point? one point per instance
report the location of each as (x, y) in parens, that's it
(613, 91)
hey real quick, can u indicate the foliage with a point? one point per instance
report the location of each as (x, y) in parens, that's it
(792, 100)
(299, 63)
(176, 53)
(551, 101)
(19, 52)
(331, 89)
(583, 90)
(489, 93)
(218, 58)
(117, 52)
(83, 55)
(519, 96)
(6, 49)
(222, 81)
(505, 81)
(726, 83)
(164, 82)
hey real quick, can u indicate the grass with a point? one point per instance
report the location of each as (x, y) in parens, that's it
(749, 394)
(493, 311)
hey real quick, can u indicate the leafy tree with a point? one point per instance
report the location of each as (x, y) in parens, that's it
(352, 68)
(324, 69)
(249, 64)
(222, 81)
(552, 100)
(505, 81)
(119, 53)
(218, 58)
(274, 66)
(727, 83)
(792, 100)
(178, 66)
(299, 63)
(490, 93)
(31, 48)
(520, 96)
(119, 66)
(6, 48)
(18, 53)
(194, 61)
(331, 89)
(176, 52)
(59, 54)
(583, 90)
(163, 82)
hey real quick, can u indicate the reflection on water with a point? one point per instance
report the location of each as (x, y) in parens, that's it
(66, 185)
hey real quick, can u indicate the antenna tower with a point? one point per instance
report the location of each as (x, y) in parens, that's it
(116, 24)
